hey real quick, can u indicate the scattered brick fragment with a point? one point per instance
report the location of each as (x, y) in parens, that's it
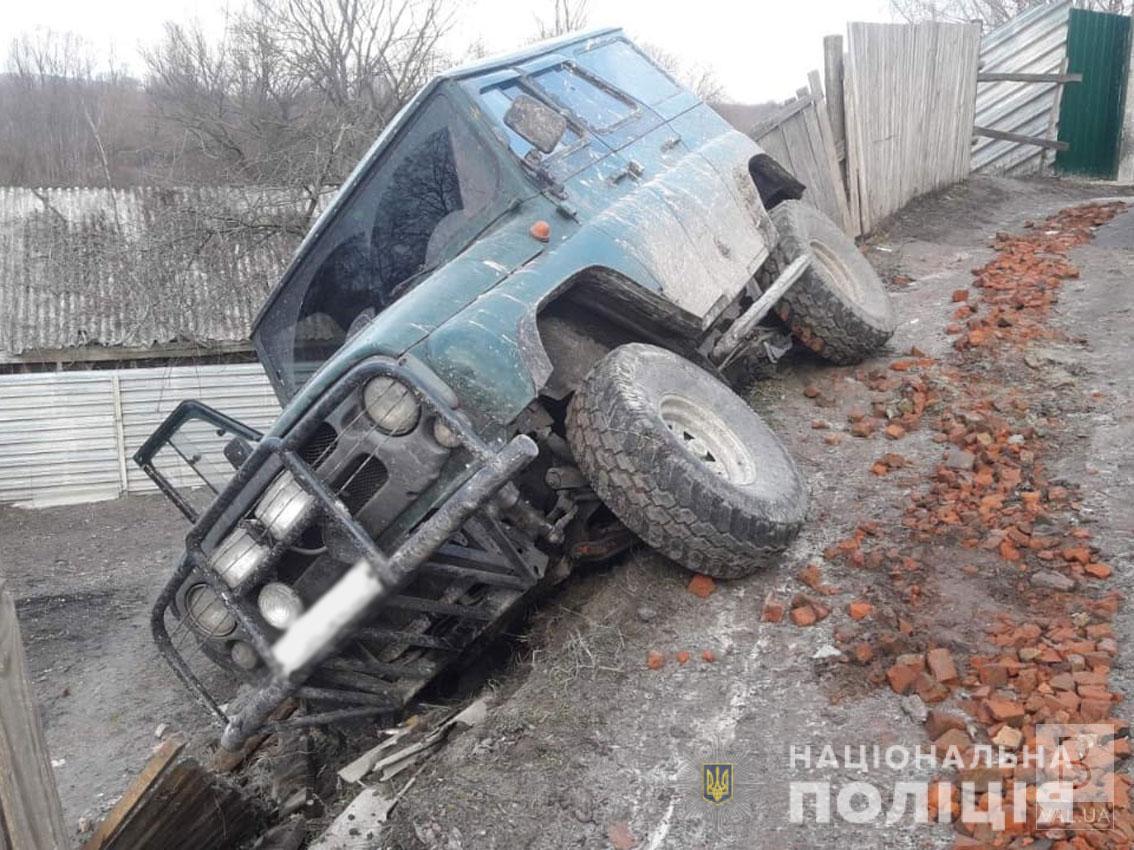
(941, 665)
(702, 586)
(894, 431)
(620, 836)
(708, 656)
(682, 657)
(1098, 570)
(655, 660)
(811, 391)
(860, 609)
(804, 615)
(773, 610)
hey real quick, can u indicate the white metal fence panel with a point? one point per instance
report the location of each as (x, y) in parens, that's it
(149, 395)
(1034, 42)
(910, 100)
(58, 442)
(69, 437)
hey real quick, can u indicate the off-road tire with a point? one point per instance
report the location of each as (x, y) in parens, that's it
(839, 308)
(725, 524)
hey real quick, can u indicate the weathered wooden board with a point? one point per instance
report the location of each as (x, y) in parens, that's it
(176, 804)
(31, 817)
(799, 137)
(910, 92)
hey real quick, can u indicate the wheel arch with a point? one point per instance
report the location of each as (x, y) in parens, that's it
(774, 183)
(595, 310)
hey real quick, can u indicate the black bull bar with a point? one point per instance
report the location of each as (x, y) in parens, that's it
(376, 576)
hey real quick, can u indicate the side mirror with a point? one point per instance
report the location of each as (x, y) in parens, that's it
(535, 122)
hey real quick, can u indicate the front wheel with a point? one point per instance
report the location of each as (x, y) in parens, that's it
(839, 307)
(684, 462)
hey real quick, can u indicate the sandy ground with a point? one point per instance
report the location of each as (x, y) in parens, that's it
(583, 738)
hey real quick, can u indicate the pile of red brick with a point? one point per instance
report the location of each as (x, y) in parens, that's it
(990, 493)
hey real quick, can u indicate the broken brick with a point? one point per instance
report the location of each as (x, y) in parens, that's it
(1098, 570)
(682, 657)
(941, 665)
(894, 431)
(1005, 711)
(708, 656)
(773, 610)
(655, 660)
(902, 677)
(702, 586)
(804, 615)
(939, 721)
(860, 610)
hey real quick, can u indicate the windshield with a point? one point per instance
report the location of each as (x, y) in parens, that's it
(432, 191)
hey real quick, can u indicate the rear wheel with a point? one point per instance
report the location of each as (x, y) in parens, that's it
(839, 307)
(684, 462)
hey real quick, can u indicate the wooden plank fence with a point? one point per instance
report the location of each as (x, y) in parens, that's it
(894, 122)
(31, 817)
(800, 138)
(910, 100)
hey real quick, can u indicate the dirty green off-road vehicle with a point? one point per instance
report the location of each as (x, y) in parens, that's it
(501, 350)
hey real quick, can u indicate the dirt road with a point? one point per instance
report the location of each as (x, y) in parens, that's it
(586, 745)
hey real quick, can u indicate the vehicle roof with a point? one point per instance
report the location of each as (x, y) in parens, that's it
(506, 60)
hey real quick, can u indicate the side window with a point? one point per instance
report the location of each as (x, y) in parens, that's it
(624, 67)
(597, 107)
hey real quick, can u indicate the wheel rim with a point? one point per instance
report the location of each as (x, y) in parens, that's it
(836, 270)
(706, 437)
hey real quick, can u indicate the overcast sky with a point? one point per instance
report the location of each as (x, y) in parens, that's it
(760, 49)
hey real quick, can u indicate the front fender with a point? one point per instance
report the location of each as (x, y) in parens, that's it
(491, 354)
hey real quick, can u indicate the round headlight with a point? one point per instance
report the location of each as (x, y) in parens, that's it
(279, 604)
(207, 613)
(237, 556)
(445, 435)
(391, 405)
(283, 505)
(243, 655)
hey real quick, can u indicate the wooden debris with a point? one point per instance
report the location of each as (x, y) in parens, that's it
(30, 813)
(176, 805)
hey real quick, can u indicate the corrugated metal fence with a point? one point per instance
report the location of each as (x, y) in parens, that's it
(910, 96)
(68, 437)
(1034, 42)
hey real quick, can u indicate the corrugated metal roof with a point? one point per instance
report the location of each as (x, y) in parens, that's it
(1034, 42)
(138, 267)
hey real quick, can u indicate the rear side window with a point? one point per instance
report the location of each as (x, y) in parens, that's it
(621, 65)
(598, 108)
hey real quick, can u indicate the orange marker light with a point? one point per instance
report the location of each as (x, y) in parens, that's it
(541, 230)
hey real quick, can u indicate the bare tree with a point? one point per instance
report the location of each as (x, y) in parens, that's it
(990, 13)
(701, 79)
(567, 16)
(295, 90)
(65, 118)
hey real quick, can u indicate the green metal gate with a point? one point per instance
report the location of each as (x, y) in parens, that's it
(1090, 117)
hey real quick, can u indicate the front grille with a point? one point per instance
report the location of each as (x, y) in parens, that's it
(318, 445)
(363, 477)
